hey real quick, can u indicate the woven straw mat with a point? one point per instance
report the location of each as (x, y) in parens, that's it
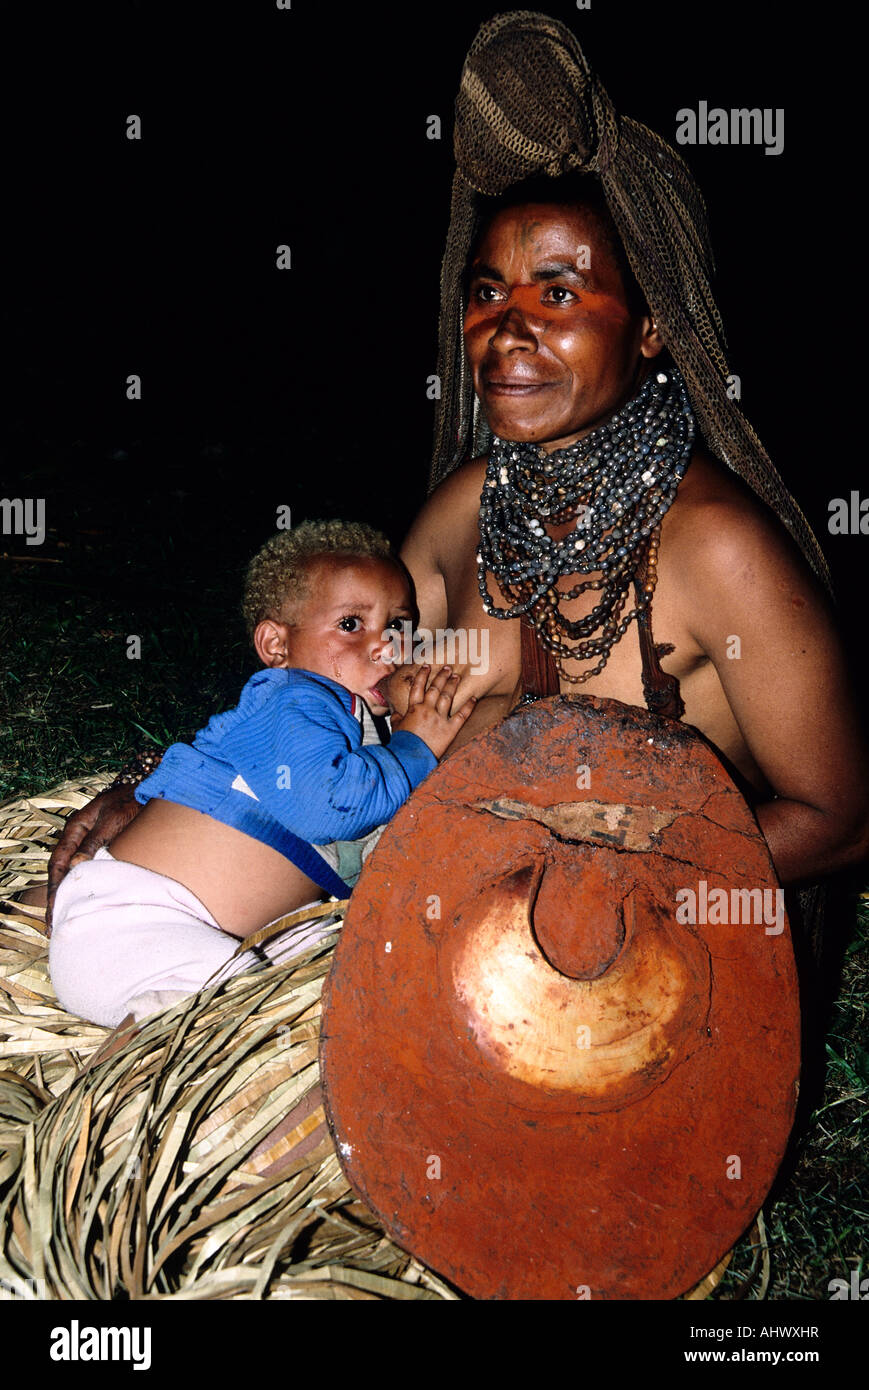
(188, 1158)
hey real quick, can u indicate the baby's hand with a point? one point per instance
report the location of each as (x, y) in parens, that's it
(429, 714)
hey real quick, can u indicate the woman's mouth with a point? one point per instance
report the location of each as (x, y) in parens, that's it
(513, 388)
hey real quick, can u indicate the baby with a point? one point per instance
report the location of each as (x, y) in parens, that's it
(277, 801)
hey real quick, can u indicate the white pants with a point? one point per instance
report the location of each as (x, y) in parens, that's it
(126, 940)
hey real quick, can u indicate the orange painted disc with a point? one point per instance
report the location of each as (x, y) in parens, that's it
(560, 1043)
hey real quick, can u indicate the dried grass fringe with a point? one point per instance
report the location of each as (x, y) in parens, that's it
(186, 1159)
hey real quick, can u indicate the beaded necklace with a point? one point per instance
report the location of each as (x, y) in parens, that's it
(618, 482)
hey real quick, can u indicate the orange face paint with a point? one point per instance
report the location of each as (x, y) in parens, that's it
(531, 302)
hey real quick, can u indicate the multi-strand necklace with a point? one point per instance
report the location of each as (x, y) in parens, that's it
(617, 483)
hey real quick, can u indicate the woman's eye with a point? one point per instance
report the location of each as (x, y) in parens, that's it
(560, 294)
(485, 294)
(351, 618)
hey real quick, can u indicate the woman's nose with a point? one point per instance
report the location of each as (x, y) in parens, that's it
(515, 328)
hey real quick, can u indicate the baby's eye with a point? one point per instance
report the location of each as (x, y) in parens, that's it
(350, 618)
(397, 623)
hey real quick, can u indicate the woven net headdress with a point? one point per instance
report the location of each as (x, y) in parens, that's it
(529, 105)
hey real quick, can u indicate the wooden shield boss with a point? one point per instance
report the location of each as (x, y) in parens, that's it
(561, 1033)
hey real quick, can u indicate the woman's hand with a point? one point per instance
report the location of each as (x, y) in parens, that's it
(86, 831)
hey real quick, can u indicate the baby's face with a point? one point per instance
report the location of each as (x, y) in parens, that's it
(343, 628)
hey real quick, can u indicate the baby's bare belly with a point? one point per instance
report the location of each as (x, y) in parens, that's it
(243, 883)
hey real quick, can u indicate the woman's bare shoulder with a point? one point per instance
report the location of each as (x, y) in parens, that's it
(445, 518)
(464, 482)
(718, 527)
(442, 531)
(714, 504)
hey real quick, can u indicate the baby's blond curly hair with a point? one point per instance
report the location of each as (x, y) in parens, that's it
(278, 572)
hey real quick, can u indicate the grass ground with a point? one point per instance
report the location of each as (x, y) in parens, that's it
(818, 1216)
(73, 702)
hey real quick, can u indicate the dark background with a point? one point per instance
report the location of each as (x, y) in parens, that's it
(308, 387)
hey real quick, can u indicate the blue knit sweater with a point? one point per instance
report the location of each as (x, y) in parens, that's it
(288, 764)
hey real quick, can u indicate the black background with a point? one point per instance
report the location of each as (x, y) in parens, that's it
(308, 127)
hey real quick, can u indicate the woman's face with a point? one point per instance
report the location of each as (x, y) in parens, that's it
(550, 339)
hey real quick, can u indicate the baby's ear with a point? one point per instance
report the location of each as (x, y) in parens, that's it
(271, 640)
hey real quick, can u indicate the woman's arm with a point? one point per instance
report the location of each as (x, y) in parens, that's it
(788, 686)
(97, 823)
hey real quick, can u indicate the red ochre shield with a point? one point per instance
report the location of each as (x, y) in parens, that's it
(558, 1061)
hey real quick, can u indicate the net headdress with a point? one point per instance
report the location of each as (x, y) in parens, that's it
(529, 105)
